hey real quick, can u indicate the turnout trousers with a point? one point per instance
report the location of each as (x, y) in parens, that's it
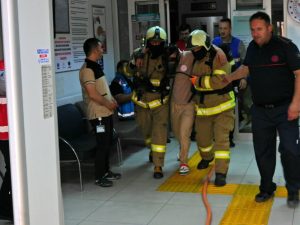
(266, 122)
(212, 136)
(154, 126)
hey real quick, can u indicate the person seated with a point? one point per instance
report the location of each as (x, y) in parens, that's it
(121, 88)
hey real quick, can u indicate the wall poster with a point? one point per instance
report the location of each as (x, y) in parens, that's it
(71, 30)
(99, 25)
(63, 52)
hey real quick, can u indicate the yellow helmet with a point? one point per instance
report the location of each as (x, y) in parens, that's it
(156, 33)
(198, 38)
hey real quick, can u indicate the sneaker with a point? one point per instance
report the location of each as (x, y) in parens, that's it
(203, 164)
(220, 180)
(293, 200)
(103, 182)
(158, 172)
(112, 176)
(184, 169)
(263, 196)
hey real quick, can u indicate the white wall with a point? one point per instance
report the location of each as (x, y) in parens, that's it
(67, 83)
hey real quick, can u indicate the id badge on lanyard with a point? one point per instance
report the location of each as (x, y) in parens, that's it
(100, 128)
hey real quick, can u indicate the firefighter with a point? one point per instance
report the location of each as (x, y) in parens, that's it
(215, 104)
(151, 94)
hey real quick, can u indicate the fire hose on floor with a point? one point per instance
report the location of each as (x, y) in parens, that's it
(204, 196)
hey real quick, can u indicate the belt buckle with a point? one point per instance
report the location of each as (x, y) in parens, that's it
(270, 106)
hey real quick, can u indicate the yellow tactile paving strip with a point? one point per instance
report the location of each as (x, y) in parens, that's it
(242, 209)
(194, 180)
(189, 183)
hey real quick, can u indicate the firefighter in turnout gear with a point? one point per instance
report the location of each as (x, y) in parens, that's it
(151, 94)
(215, 104)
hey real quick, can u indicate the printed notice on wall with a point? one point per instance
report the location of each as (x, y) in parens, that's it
(69, 53)
(79, 24)
(47, 85)
(63, 53)
(43, 55)
(99, 25)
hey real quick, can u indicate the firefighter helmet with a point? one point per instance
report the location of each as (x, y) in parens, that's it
(198, 38)
(156, 33)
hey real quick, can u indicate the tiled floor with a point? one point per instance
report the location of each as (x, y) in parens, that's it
(133, 200)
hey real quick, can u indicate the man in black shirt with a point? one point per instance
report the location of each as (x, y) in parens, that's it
(273, 65)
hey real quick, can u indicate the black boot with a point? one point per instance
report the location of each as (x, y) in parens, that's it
(158, 172)
(220, 179)
(203, 164)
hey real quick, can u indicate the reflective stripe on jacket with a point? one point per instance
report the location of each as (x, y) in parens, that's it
(217, 109)
(206, 81)
(152, 104)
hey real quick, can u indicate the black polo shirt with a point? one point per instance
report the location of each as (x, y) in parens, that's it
(271, 69)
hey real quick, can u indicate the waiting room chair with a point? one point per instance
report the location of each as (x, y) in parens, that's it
(76, 142)
(128, 132)
(116, 136)
(117, 141)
